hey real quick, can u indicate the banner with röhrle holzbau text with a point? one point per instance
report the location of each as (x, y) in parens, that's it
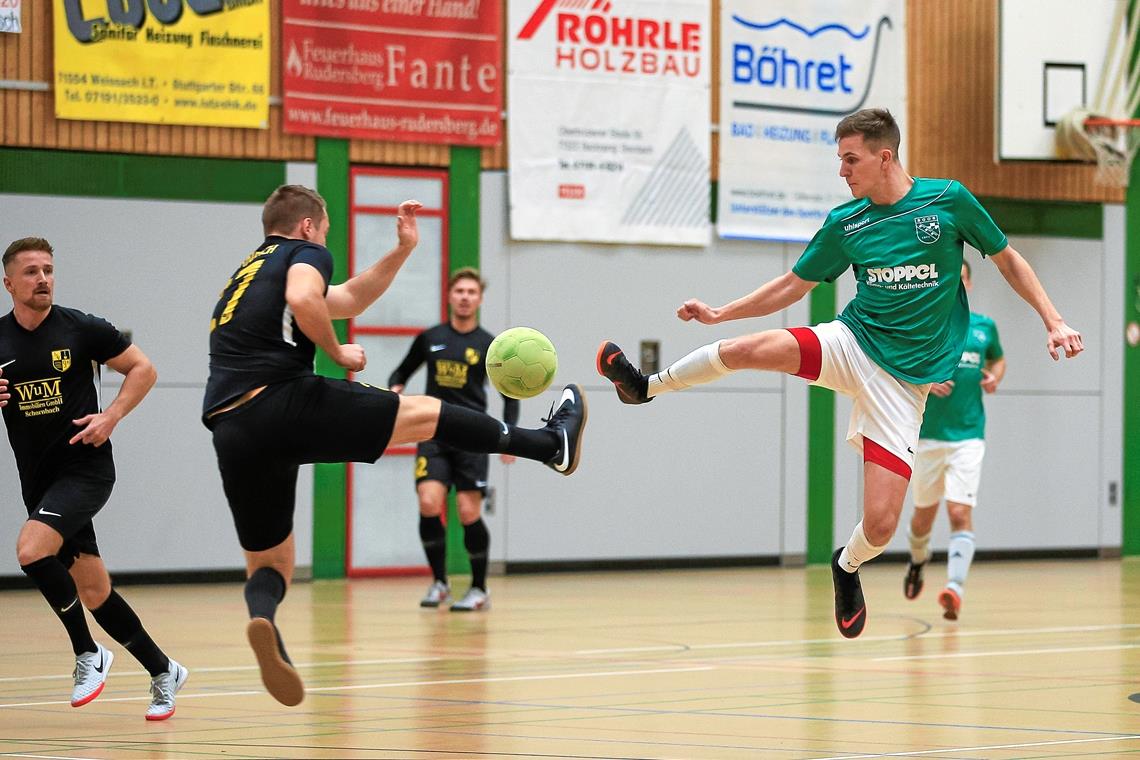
(609, 120)
(193, 62)
(790, 70)
(426, 71)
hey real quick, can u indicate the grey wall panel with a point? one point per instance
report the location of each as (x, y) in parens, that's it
(684, 476)
(155, 268)
(694, 474)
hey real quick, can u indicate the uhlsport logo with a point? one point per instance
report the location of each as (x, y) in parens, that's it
(61, 359)
(471, 355)
(789, 65)
(927, 229)
(591, 36)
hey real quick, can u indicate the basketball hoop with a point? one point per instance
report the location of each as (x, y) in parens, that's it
(1105, 131)
(1112, 143)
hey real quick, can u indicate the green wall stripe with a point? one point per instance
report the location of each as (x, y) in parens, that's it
(330, 491)
(113, 175)
(821, 446)
(1130, 491)
(463, 251)
(1047, 218)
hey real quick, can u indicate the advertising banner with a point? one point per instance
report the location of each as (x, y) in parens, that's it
(426, 71)
(609, 115)
(195, 62)
(790, 70)
(10, 16)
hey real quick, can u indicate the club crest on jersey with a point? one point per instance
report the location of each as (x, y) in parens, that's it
(472, 356)
(927, 228)
(61, 359)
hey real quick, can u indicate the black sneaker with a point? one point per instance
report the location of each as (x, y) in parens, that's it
(630, 383)
(912, 586)
(568, 419)
(850, 610)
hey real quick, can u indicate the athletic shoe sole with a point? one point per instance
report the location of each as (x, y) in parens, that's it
(577, 456)
(951, 604)
(109, 658)
(280, 678)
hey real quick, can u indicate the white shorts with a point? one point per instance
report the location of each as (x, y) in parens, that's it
(948, 468)
(887, 410)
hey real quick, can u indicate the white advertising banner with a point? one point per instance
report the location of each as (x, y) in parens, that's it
(790, 70)
(608, 115)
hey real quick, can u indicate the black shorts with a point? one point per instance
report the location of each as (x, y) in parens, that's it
(452, 467)
(261, 444)
(68, 501)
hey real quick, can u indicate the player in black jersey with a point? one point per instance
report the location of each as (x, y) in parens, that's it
(270, 413)
(455, 352)
(49, 356)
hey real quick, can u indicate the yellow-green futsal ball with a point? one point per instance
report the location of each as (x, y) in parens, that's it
(521, 362)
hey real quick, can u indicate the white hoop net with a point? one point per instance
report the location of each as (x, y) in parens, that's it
(1112, 146)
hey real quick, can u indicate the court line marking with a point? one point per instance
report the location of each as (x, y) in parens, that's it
(46, 757)
(240, 668)
(394, 685)
(1004, 653)
(1124, 737)
(832, 640)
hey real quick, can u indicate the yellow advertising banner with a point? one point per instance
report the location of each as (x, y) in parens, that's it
(196, 62)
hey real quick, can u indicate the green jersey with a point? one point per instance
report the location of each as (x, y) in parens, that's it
(961, 415)
(910, 311)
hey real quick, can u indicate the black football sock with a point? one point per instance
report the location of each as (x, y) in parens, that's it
(477, 541)
(263, 592)
(120, 621)
(433, 535)
(474, 431)
(58, 588)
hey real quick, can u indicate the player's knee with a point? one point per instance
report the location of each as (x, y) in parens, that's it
(430, 507)
(771, 349)
(93, 592)
(27, 552)
(879, 528)
(960, 516)
(469, 513)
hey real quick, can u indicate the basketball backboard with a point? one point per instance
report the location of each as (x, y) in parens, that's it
(1050, 56)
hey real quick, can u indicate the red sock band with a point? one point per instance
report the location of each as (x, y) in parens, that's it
(873, 452)
(811, 353)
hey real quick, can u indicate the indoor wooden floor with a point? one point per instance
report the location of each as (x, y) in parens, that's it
(679, 664)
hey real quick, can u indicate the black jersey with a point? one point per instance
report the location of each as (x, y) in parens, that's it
(457, 370)
(53, 381)
(254, 339)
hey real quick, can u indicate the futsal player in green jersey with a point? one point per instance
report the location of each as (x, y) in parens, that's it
(948, 458)
(902, 239)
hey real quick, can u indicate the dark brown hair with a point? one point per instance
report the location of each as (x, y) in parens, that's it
(466, 273)
(288, 205)
(26, 244)
(876, 125)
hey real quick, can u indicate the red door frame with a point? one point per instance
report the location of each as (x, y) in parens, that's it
(353, 330)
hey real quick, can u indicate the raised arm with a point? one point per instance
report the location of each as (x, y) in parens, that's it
(352, 297)
(304, 292)
(1021, 277)
(769, 298)
(138, 378)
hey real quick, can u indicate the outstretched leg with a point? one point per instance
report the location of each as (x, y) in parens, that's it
(558, 444)
(773, 350)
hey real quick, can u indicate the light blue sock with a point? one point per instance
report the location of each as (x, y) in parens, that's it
(961, 554)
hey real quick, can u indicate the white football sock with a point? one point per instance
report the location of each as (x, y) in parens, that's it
(961, 553)
(858, 550)
(700, 366)
(919, 547)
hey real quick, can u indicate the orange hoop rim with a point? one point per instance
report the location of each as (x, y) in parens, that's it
(1098, 121)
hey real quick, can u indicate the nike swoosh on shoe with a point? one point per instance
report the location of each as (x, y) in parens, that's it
(561, 466)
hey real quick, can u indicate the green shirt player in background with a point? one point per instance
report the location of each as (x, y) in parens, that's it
(902, 239)
(948, 459)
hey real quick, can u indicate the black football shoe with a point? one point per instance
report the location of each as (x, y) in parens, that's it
(912, 585)
(850, 610)
(631, 385)
(567, 420)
